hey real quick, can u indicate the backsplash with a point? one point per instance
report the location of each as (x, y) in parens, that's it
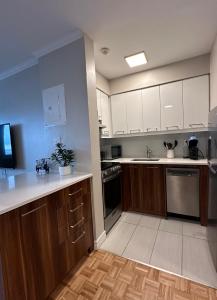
(136, 146)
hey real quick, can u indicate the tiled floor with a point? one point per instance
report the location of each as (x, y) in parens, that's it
(172, 245)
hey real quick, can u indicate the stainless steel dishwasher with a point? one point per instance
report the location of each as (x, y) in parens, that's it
(183, 191)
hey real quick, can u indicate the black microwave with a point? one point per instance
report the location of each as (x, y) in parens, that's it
(116, 151)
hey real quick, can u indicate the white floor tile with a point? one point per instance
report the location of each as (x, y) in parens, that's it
(173, 226)
(194, 230)
(167, 253)
(197, 262)
(118, 238)
(131, 218)
(141, 244)
(150, 222)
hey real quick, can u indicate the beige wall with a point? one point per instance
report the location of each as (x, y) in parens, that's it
(99, 232)
(176, 71)
(102, 83)
(213, 76)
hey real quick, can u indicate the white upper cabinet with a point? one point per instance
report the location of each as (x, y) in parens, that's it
(171, 106)
(134, 111)
(151, 109)
(99, 110)
(119, 115)
(196, 102)
(106, 115)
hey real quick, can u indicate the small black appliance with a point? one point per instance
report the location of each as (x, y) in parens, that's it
(193, 149)
(116, 151)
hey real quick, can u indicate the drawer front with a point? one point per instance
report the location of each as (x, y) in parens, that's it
(78, 198)
(81, 240)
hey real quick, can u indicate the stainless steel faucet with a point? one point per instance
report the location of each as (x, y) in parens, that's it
(148, 152)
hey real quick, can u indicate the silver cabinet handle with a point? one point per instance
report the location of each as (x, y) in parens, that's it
(74, 193)
(119, 132)
(76, 208)
(78, 223)
(135, 130)
(150, 129)
(34, 210)
(172, 126)
(196, 124)
(80, 237)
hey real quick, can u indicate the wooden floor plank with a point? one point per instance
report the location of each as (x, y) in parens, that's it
(105, 276)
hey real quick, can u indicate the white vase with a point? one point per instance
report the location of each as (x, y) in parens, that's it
(170, 153)
(65, 170)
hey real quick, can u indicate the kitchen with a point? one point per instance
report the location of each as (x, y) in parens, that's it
(164, 189)
(108, 151)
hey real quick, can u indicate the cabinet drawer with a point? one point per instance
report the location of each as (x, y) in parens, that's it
(81, 241)
(76, 216)
(77, 231)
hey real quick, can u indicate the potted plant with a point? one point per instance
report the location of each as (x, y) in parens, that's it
(64, 158)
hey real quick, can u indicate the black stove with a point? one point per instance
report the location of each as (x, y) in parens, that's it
(107, 165)
(111, 187)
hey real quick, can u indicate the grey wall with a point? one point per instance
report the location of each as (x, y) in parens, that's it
(176, 71)
(136, 146)
(213, 76)
(67, 66)
(21, 105)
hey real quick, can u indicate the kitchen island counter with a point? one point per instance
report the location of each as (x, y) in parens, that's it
(16, 191)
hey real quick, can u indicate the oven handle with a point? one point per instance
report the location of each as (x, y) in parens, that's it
(112, 177)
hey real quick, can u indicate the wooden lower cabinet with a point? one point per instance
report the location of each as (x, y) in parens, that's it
(42, 241)
(144, 189)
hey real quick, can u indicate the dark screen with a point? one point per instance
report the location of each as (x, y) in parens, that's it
(6, 147)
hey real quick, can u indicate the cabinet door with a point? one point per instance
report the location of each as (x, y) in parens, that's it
(99, 110)
(11, 257)
(171, 106)
(119, 116)
(135, 200)
(151, 109)
(196, 102)
(38, 250)
(106, 115)
(134, 111)
(153, 190)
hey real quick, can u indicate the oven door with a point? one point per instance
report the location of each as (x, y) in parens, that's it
(112, 200)
(111, 194)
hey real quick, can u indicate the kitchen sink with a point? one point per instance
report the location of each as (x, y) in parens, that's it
(145, 159)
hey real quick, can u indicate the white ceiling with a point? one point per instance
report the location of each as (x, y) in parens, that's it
(167, 30)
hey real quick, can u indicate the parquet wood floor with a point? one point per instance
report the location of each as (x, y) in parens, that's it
(107, 276)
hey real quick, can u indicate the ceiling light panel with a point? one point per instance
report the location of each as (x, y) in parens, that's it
(137, 59)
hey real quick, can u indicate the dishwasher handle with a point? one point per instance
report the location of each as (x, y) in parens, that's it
(183, 172)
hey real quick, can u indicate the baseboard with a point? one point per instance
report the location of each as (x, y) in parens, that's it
(98, 242)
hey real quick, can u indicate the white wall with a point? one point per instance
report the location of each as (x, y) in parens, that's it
(176, 71)
(95, 142)
(213, 76)
(102, 83)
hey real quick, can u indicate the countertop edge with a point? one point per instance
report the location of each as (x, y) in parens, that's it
(163, 161)
(53, 190)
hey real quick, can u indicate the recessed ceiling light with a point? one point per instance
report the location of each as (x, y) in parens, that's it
(136, 59)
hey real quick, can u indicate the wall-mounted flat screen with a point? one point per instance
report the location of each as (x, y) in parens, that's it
(7, 154)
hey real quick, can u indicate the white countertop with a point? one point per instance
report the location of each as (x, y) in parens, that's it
(162, 161)
(16, 191)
